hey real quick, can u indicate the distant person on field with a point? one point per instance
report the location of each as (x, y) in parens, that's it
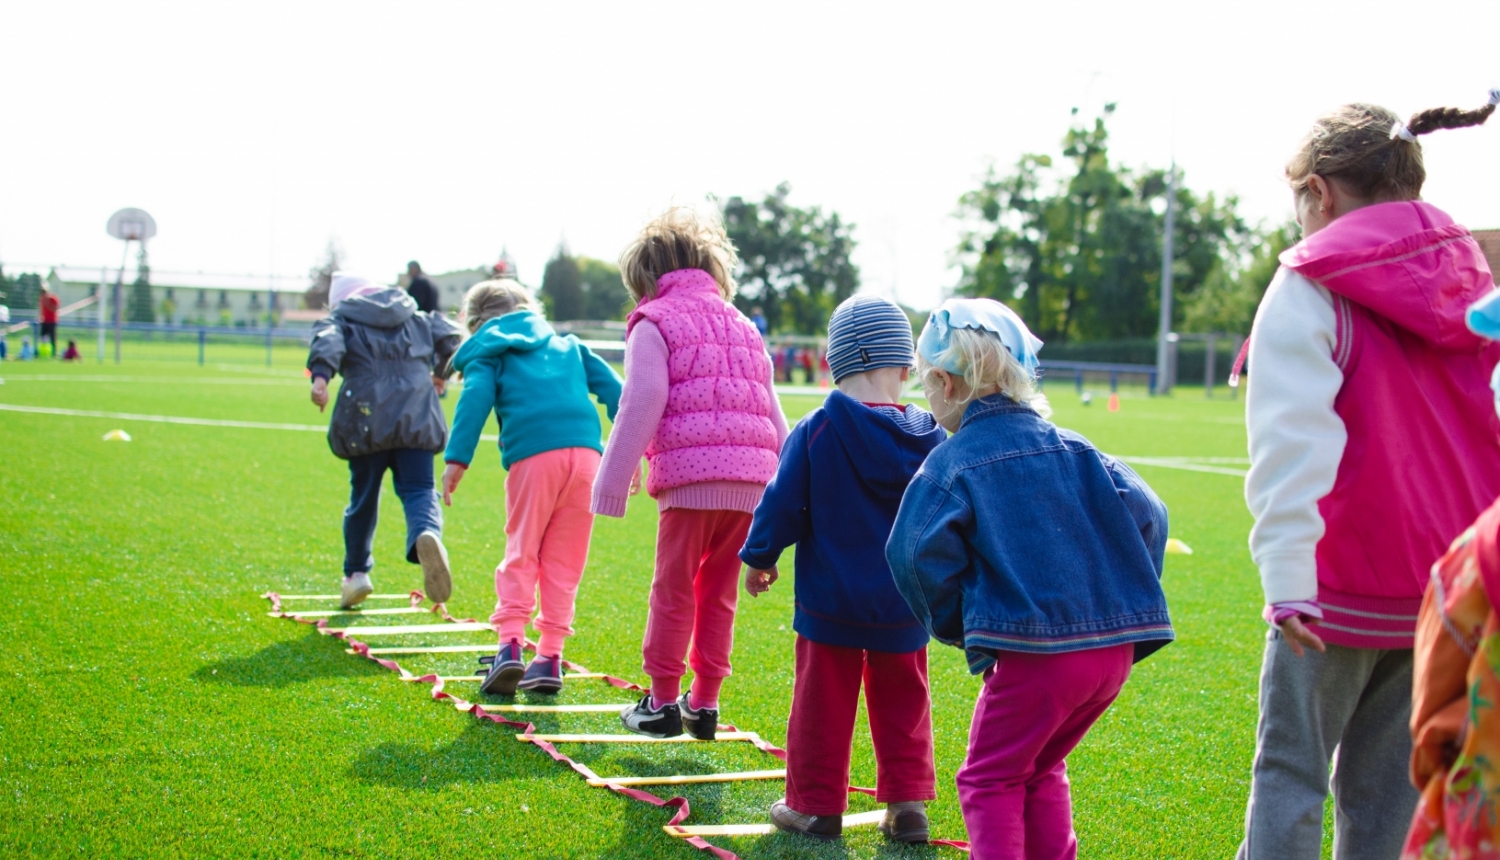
(393, 358)
(835, 495)
(72, 353)
(421, 289)
(758, 317)
(537, 383)
(1041, 557)
(4, 321)
(1372, 445)
(28, 352)
(698, 404)
(49, 306)
(1454, 723)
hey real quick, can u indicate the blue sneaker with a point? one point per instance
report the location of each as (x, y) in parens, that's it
(544, 675)
(505, 671)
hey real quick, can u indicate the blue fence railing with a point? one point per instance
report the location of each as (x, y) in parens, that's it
(201, 334)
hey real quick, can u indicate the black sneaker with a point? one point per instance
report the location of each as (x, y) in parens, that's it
(663, 722)
(700, 723)
(505, 671)
(544, 675)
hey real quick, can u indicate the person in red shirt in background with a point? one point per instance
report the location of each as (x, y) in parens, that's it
(49, 305)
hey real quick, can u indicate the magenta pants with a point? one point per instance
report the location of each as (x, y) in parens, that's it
(1034, 709)
(547, 529)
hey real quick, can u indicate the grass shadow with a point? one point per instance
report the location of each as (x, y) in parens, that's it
(283, 664)
(484, 752)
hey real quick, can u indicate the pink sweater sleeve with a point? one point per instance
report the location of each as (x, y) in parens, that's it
(642, 403)
(778, 418)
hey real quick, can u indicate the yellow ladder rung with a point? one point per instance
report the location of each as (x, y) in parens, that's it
(634, 739)
(433, 649)
(521, 707)
(327, 613)
(341, 597)
(690, 778)
(406, 629)
(861, 819)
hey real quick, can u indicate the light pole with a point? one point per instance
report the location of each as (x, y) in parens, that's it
(1164, 330)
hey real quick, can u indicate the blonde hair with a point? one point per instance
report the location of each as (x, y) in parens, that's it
(489, 299)
(679, 238)
(983, 361)
(1357, 145)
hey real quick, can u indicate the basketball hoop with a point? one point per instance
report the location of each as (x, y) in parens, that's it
(131, 225)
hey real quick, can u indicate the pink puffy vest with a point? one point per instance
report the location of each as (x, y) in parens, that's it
(717, 424)
(1422, 459)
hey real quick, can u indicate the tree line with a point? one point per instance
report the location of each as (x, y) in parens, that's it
(1072, 241)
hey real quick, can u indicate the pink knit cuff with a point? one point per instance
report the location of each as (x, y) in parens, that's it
(609, 506)
(1276, 613)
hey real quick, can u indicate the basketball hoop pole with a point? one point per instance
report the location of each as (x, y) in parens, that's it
(115, 299)
(126, 225)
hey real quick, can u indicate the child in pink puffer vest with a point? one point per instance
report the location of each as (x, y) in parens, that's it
(698, 404)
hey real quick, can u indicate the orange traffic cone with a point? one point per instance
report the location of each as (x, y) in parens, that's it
(1114, 403)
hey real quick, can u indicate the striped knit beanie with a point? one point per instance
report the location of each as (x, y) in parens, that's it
(865, 333)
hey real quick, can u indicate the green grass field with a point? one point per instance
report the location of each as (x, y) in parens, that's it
(152, 709)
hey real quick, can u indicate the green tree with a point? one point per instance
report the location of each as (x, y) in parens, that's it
(1228, 298)
(605, 296)
(316, 296)
(794, 262)
(562, 287)
(1079, 255)
(25, 291)
(139, 308)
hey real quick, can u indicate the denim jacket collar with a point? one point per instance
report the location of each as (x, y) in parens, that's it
(988, 407)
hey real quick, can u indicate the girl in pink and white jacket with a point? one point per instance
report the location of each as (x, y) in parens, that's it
(1373, 443)
(698, 404)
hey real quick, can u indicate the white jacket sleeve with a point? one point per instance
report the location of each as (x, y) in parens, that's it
(1296, 438)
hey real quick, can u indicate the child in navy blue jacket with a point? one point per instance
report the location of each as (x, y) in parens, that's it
(843, 471)
(1039, 556)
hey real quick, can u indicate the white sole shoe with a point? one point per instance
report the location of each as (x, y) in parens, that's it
(356, 589)
(437, 581)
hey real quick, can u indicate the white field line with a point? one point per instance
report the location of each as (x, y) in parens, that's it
(179, 419)
(1173, 463)
(1199, 464)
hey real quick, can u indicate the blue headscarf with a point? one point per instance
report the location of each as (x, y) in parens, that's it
(986, 314)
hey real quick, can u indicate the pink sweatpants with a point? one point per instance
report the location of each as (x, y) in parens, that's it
(547, 528)
(693, 598)
(1034, 709)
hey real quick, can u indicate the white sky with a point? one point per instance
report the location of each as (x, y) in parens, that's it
(254, 132)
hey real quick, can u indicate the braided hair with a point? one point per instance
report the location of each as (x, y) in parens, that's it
(1371, 152)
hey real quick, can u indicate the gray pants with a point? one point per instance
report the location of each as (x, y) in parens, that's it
(1352, 705)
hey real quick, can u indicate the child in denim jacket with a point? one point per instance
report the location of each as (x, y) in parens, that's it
(1039, 556)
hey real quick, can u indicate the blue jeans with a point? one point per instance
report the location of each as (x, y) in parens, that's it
(411, 470)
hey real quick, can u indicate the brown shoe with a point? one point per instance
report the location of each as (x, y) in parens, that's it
(905, 822)
(825, 827)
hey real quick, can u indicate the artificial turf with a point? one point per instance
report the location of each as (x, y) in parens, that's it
(152, 709)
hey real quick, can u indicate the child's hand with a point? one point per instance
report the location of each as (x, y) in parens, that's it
(1298, 635)
(320, 393)
(439, 384)
(635, 481)
(758, 582)
(451, 476)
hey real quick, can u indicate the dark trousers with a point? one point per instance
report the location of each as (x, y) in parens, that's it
(411, 470)
(825, 701)
(49, 331)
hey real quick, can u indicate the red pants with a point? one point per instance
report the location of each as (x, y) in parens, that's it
(694, 594)
(821, 729)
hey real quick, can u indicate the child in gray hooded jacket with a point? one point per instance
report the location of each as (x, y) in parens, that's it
(394, 360)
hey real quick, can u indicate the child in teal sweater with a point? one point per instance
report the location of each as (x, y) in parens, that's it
(537, 383)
